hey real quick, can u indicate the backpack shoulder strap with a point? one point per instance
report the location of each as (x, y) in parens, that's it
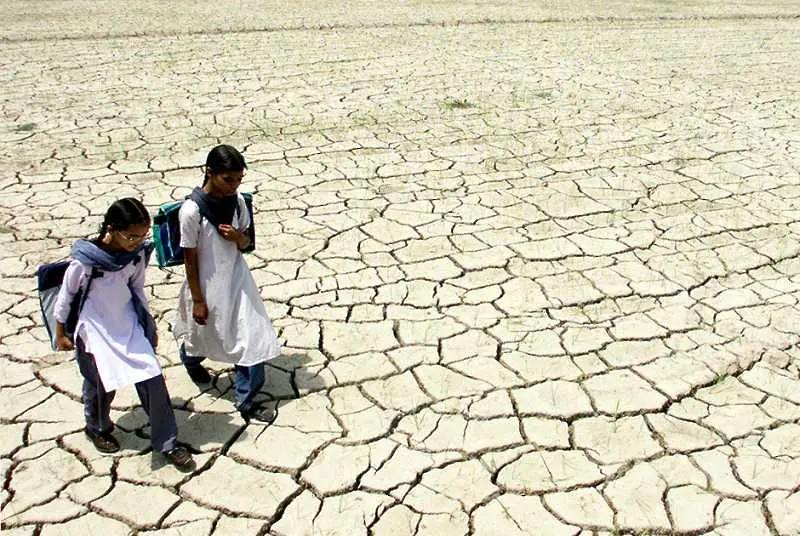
(94, 273)
(148, 252)
(240, 200)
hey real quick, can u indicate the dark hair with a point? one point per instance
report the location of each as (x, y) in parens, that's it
(122, 214)
(223, 158)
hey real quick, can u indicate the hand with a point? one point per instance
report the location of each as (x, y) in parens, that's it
(229, 232)
(200, 313)
(155, 341)
(63, 343)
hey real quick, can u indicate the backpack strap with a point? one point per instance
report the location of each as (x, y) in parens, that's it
(94, 273)
(146, 252)
(76, 306)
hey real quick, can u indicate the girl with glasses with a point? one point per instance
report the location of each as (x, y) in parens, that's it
(115, 335)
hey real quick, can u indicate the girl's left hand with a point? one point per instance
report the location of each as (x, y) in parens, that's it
(63, 343)
(228, 232)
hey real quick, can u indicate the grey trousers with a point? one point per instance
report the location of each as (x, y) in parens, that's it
(152, 393)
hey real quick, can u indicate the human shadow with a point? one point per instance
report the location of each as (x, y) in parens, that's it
(280, 385)
(288, 377)
(205, 413)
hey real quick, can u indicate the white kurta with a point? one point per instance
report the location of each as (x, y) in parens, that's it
(238, 329)
(108, 325)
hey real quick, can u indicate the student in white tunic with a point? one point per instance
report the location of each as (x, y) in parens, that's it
(220, 313)
(115, 334)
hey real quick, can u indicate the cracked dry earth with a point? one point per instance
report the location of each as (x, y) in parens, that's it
(533, 278)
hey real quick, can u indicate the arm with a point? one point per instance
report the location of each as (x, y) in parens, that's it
(190, 240)
(238, 231)
(244, 223)
(234, 235)
(244, 241)
(193, 274)
(199, 307)
(62, 341)
(74, 278)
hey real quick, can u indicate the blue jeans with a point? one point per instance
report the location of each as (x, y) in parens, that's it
(248, 381)
(152, 393)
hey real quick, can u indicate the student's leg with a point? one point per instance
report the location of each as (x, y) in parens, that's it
(96, 402)
(248, 381)
(197, 372)
(156, 403)
(163, 429)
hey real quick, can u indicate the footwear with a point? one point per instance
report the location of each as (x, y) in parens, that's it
(199, 374)
(178, 456)
(103, 441)
(258, 413)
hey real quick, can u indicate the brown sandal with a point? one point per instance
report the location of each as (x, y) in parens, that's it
(179, 456)
(104, 442)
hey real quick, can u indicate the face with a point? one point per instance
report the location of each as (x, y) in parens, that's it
(224, 183)
(131, 238)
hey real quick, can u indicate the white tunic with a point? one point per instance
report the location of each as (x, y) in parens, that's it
(238, 329)
(108, 325)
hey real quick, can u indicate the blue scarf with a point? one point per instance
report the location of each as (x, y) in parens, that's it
(217, 210)
(89, 253)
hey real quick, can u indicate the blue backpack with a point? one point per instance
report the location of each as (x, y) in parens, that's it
(49, 278)
(167, 232)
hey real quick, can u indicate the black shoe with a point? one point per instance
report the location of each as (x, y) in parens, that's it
(179, 456)
(258, 413)
(199, 374)
(104, 442)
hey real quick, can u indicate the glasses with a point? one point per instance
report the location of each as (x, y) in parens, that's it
(133, 237)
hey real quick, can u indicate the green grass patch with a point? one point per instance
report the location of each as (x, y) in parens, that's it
(457, 104)
(721, 378)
